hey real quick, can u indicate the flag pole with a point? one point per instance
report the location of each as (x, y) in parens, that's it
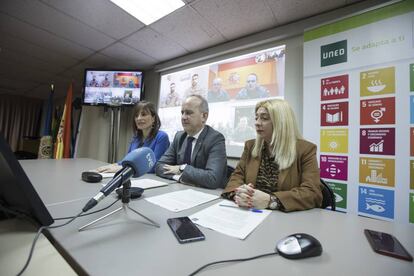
(46, 142)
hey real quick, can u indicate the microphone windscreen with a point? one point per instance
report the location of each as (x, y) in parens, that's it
(141, 160)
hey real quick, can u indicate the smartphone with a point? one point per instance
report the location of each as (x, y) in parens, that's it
(387, 244)
(185, 230)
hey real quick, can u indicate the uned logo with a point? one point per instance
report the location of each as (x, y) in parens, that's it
(334, 53)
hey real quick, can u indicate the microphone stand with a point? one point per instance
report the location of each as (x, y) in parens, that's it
(126, 197)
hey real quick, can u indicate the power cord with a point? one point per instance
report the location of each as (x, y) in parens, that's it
(37, 237)
(90, 213)
(233, 260)
(20, 214)
(81, 215)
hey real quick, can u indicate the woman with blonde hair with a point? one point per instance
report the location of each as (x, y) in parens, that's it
(278, 170)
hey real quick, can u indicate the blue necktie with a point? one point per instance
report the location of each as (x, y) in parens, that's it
(188, 148)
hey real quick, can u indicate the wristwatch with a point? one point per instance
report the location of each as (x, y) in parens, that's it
(182, 167)
(273, 203)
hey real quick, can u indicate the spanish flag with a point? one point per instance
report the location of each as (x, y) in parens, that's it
(63, 139)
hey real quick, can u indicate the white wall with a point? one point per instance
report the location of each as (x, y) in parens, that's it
(95, 131)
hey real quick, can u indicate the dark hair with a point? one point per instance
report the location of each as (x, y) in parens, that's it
(148, 106)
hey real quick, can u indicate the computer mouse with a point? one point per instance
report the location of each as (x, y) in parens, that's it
(298, 246)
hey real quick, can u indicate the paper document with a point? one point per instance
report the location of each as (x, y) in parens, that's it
(107, 175)
(144, 183)
(234, 222)
(147, 183)
(181, 200)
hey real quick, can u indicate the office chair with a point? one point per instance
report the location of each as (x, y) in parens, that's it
(230, 170)
(328, 196)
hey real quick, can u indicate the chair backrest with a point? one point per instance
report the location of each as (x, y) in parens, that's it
(230, 170)
(328, 199)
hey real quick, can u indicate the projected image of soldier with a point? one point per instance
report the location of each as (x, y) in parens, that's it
(172, 99)
(93, 82)
(195, 88)
(217, 93)
(243, 130)
(127, 97)
(106, 82)
(252, 89)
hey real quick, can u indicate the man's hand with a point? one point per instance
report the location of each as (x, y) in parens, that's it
(172, 169)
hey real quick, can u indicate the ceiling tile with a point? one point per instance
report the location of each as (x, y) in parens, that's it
(20, 46)
(103, 61)
(187, 28)
(75, 73)
(44, 17)
(24, 60)
(353, 1)
(27, 32)
(13, 84)
(154, 44)
(236, 18)
(128, 55)
(14, 71)
(45, 41)
(288, 11)
(100, 15)
(98, 61)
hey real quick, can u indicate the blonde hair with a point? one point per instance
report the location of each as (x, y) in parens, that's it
(285, 132)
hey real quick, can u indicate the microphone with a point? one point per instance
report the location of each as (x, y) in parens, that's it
(135, 164)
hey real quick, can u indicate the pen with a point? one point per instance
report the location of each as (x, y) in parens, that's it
(251, 209)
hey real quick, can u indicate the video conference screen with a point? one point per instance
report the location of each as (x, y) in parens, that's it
(112, 87)
(232, 87)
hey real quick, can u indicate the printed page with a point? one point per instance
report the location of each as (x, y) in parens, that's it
(181, 200)
(234, 222)
(107, 175)
(147, 183)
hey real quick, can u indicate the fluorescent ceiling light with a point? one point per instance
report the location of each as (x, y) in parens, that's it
(148, 11)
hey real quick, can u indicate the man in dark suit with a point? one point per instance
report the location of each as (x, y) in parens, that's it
(197, 156)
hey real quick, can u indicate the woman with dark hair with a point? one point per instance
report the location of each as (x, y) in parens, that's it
(147, 133)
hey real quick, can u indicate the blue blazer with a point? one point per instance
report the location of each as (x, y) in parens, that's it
(159, 145)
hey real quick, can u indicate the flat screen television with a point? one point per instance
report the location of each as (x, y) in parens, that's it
(112, 87)
(16, 191)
